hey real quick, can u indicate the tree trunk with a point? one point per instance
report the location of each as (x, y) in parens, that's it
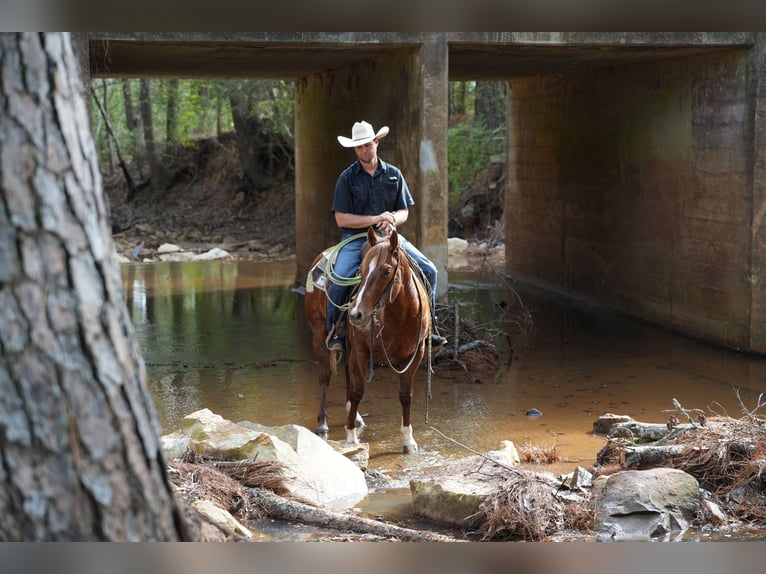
(249, 135)
(127, 98)
(79, 436)
(109, 141)
(113, 141)
(157, 172)
(171, 125)
(489, 106)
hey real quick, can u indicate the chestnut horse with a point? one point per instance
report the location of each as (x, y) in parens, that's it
(389, 321)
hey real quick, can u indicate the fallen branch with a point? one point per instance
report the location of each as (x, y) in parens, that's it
(283, 509)
(477, 344)
(651, 456)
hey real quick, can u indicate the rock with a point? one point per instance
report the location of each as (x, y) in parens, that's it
(642, 504)
(168, 248)
(322, 475)
(176, 256)
(579, 479)
(506, 454)
(214, 436)
(221, 518)
(454, 497)
(359, 453)
(456, 246)
(314, 471)
(175, 445)
(213, 254)
(449, 500)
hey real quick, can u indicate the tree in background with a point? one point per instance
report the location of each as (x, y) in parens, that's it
(258, 112)
(477, 132)
(79, 436)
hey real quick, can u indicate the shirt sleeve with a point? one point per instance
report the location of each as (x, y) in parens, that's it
(341, 200)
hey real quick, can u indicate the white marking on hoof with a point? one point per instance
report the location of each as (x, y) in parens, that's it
(410, 445)
(351, 437)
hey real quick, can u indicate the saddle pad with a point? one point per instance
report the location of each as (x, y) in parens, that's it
(317, 275)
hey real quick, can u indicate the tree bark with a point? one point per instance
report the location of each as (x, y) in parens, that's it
(80, 455)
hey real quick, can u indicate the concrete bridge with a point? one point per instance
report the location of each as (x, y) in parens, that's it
(636, 162)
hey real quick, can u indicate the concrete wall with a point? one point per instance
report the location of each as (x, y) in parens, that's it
(387, 90)
(758, 242)
(631, 185)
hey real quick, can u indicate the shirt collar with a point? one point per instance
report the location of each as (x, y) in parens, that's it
(382, 166)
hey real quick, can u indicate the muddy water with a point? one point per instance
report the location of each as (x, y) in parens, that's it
(231, 337)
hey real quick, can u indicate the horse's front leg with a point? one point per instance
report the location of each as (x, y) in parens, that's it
(354, 395)
(405, 398)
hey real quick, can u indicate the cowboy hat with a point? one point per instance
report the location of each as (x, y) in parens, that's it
(361, 134)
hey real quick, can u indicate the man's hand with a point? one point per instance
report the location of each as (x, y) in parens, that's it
(385, 223)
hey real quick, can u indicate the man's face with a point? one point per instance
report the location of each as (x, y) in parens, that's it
(367, 152)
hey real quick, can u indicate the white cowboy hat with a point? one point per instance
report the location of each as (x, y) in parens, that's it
(361, 134)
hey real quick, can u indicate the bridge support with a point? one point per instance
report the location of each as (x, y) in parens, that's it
(641, 187)
(404, 89)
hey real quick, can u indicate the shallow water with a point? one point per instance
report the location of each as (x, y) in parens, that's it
(231, 337)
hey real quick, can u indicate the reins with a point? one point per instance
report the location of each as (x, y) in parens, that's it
(379, 334)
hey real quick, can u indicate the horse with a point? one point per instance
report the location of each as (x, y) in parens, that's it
(389, 321)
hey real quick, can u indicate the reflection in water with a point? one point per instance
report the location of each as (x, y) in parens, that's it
(231, 337)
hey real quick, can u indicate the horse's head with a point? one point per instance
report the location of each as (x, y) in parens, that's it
(379, 272)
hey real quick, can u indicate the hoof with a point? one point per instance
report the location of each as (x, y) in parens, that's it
(322, 433)
(410, 449)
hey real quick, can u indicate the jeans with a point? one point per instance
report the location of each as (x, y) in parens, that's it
(347, 265)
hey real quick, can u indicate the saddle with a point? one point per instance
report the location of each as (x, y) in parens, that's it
(318, 277)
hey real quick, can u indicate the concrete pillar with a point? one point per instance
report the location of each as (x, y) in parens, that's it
(433, 163)
(757, 278)
(405, 90)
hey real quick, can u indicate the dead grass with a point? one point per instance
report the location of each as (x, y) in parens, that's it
(535, 454)
(527, 508)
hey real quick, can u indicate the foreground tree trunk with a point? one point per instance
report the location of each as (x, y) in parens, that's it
(80, 455)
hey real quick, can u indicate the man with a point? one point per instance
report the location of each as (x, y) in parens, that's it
(369, 193)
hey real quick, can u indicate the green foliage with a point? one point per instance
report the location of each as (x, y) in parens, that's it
(204, 110)
(469, 148)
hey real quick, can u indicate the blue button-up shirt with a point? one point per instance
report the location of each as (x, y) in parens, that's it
(359, 193)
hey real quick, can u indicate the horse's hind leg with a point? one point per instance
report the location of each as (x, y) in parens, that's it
(327, 372)
(323, 430)
(405, 398)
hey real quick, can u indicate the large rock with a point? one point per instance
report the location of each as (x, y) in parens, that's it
(315, 471)
(322, 475)
(642, 504)
(454, 497)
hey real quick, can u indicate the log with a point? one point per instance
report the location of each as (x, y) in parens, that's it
(650, 456)
(639, 432)
(284, 509)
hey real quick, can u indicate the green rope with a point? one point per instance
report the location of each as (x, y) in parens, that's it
(339, 279)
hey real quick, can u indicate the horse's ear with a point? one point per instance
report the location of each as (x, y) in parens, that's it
(394, 239)
(372, 237)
